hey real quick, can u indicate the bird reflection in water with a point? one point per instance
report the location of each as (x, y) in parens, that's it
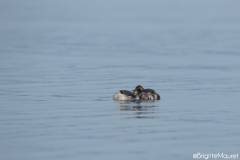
(140, 109)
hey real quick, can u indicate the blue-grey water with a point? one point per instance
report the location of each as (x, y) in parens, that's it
(62, 61)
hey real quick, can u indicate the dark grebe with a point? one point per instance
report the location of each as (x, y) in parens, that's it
(146, 94)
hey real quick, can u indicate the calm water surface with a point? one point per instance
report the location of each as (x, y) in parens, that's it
(61, 62)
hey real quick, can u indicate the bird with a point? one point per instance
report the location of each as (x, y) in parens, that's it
(146, 94)
(125, 95)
